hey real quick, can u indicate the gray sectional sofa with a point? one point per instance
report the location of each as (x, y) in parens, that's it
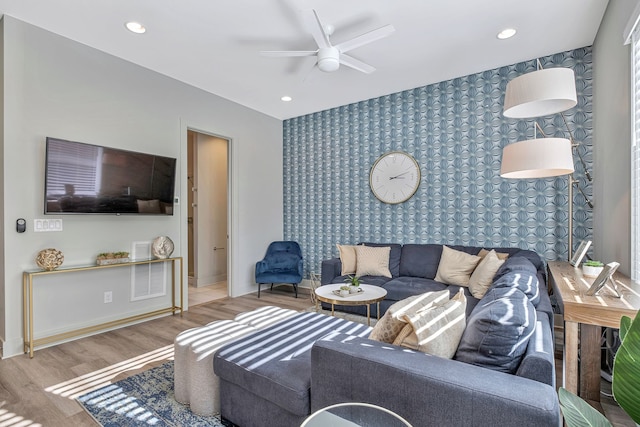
(502, 373)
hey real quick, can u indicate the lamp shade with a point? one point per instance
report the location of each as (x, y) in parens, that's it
(537, 158)
(540, 93)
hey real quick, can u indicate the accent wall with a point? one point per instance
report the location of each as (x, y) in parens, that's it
(456, 131)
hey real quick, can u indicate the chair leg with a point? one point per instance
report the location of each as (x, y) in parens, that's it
(295, 288)
(272, 287)
(259, 284)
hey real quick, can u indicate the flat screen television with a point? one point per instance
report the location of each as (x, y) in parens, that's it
(90, 179)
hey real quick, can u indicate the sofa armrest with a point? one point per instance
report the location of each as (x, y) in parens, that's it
(331, 268)
(538, 362)
(425, 389)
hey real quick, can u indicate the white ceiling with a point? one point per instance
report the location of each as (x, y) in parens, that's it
(214, 44)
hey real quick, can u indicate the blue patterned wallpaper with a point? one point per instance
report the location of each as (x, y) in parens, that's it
(456, 131)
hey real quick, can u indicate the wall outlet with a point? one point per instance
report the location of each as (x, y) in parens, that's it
(108, 297)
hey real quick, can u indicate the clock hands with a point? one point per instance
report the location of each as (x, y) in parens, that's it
(398, 176)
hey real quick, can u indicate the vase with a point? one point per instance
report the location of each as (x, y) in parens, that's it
(344, 293)
(354, 289)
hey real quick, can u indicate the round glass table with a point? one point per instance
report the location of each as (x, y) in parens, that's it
(355, 414)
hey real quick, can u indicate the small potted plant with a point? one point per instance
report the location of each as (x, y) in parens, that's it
(344, 291)
(354, 284)
(106, 258)
(592, 268)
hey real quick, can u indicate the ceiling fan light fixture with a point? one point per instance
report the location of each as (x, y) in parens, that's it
(328, 59)
(135, 27)
(286, 98)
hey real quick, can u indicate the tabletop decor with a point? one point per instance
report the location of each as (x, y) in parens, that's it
(107, 258)
(162, 247)
(592, 268)
(49, 259)
(353, 282)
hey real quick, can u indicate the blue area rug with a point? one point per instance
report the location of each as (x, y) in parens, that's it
(145, 399)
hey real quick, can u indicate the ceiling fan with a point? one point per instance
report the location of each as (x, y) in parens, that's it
(329, 57)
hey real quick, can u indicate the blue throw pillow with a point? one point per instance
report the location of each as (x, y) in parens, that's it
(498, 330)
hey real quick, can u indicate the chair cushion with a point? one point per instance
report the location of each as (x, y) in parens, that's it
(282, 261)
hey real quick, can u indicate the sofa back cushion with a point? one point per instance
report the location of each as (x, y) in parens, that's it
(420, 260)
(498, 330)
(519, 272)
(394, 255)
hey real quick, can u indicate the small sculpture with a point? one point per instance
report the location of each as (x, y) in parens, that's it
(49, 259)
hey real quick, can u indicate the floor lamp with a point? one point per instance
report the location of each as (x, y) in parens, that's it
(542, 93)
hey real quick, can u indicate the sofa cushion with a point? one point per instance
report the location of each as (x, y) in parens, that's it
(420, 260)
(394, 255)
(482, 277)
(456, 267)
(372, 261)
(393, 321)
(347, 258)
(257, 362)
(519, 272)
(403, 287)
(435, 329)
(498, 330)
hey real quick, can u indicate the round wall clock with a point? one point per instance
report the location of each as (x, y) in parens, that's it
(394, 177)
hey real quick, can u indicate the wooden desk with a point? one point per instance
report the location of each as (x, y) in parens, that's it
(584, 316)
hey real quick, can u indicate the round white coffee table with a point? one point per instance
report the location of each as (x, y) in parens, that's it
(370, 295)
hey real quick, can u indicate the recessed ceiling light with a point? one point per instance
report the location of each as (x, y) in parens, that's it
(135, 27)
(286, 98)
(506, 33)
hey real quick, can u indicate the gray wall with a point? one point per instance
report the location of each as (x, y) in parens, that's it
(612, 137)
(56, 87)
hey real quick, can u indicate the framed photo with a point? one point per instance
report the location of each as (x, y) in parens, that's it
(579, 254)
(603, 278)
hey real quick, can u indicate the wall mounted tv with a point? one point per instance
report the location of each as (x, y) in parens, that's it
(90, 179)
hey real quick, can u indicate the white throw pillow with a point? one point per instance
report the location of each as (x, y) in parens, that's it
(372, 261)
(436, 329)
(455, 267)
(483, 275)
(390, 325)
(348, 259)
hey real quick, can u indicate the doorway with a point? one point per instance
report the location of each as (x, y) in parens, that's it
(207, 228)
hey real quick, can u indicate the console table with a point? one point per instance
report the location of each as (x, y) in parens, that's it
(27, 297)
(584, 316)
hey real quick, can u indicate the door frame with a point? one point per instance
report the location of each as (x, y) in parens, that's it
(232, 204)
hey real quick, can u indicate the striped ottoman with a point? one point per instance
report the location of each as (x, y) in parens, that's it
(195, 383)
(265, 376)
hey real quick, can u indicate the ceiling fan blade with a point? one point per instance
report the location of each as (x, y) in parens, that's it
(317, 30)
(366, 38)
(356, 64)
(283, 53)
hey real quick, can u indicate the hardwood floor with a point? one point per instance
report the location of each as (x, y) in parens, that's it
(41, 391)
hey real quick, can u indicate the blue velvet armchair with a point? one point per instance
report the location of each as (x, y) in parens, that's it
(282, 264)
